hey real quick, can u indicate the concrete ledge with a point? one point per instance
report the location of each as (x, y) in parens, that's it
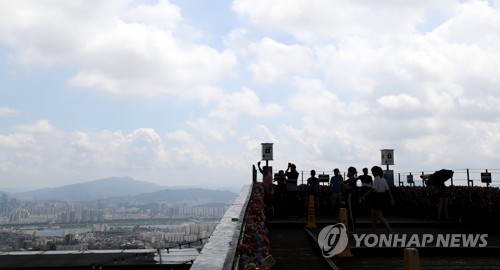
(219, 252)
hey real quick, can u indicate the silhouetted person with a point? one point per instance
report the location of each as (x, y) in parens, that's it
(366, 181)
(291, 188)
(366, 185)
(267, 179)
(438, 180)
(351, 196)
(282, 192)
(443, 201)
(378, 197)
(313, 189)
(336, 191)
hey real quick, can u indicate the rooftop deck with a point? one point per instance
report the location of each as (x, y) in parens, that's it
(294, 247)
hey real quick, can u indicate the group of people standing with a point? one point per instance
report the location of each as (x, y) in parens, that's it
(287, 190)
(373, 192)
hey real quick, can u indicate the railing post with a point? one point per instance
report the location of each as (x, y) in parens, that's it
(469, 182)
(399, 179)
(487, 184)
(254, 174)
(423, 180)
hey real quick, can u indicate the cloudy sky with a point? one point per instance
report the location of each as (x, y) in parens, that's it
(184, 92)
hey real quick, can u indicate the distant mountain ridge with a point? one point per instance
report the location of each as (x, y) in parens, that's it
(123, 187)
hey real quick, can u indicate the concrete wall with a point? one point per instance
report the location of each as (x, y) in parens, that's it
(219, 252)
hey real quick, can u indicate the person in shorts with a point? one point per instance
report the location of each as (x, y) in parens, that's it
(379, 196)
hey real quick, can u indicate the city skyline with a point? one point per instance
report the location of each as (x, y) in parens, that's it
(184, 92)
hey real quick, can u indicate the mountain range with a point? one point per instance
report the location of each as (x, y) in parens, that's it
(115, 187)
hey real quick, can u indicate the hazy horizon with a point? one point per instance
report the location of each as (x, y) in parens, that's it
(232, 189)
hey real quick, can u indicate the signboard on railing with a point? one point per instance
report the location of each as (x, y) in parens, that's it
(409, 179)
(324, 178)
(267, 151)
(387, 156)
(486, 177)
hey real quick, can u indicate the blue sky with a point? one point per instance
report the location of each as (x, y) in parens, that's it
(185, 92)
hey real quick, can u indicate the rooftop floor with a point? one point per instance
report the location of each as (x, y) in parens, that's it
(293, 247)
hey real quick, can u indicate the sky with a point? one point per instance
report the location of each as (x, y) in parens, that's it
(185, 92)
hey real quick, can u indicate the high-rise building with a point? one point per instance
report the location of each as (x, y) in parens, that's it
(64, 217)
(92, 215)
(72, 216)
(85, 215)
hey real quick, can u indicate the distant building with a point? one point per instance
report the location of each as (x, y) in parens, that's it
(85, 215)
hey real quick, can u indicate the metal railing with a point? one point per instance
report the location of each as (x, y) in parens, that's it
(461, 177)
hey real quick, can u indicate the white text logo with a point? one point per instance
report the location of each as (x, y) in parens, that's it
(421, 240)
(333, 239)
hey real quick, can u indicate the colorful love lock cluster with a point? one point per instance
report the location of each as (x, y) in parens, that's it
(255, 245)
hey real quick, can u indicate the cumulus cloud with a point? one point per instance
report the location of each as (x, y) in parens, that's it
(322, 19)
(7, 112)
(19, 140)
(114, 46)
(42, 126)
(223, 119)
(163, 15)
(33, 150)
(274, 59)
(399, 102)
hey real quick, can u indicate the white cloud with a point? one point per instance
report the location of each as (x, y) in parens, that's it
(223, 119)
(313, 98)
(163, 15)
(149, 62)
(51, 32)
(313, 21)
(7, 111)
(401, 101)
(473, 22)
(115, 46)
(19, 140)
(42, 126)
(62, 157)
(273, 60)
